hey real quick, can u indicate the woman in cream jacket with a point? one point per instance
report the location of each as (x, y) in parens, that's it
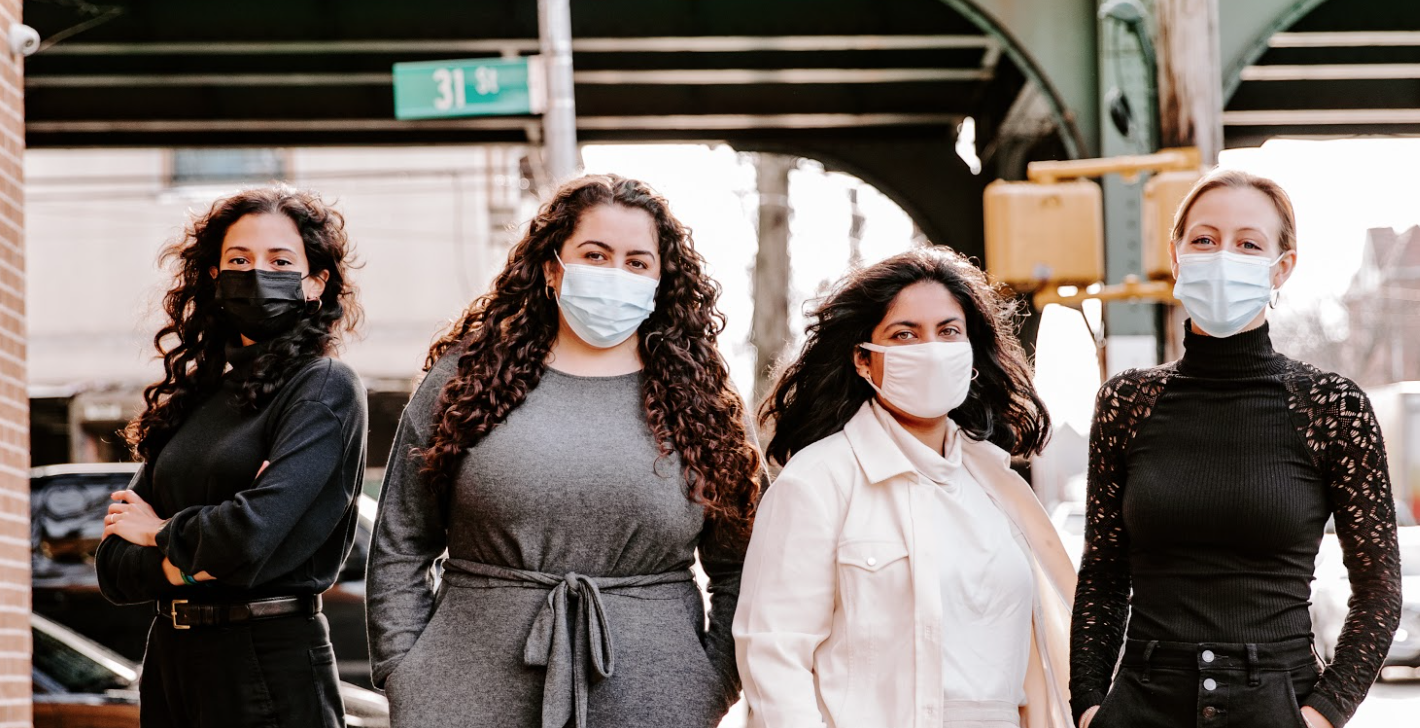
(900, 574)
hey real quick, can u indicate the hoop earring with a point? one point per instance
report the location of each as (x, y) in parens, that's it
(974, 374)
(318, 302)
(1276, 296)
(549, 292)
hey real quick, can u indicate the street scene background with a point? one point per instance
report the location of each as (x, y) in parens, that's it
(879, 133)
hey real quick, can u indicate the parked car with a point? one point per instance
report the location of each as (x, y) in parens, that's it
(67, 508)
(1332, 590)
(79, 683)
(1405, 649)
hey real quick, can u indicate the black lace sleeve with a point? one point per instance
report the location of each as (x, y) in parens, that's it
(1342, 433)
(1102, 596)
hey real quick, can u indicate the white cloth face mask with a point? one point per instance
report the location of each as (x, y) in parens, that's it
(1223, 291)
(924, 380)
(605, 306)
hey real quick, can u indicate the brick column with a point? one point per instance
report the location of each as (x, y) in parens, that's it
(14, 400)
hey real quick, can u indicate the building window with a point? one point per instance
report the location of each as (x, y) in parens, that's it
(226, 166)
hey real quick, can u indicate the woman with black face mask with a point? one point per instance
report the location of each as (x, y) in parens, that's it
(253, 450)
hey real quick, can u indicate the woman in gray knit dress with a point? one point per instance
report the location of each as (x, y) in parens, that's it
(575, 442)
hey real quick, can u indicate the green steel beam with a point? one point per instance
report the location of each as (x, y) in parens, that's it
(1059, 35)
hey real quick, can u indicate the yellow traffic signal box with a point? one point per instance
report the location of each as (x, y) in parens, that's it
(1044, 233)
(1163, 193)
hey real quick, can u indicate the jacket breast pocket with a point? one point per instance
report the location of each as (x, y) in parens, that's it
(874, 581)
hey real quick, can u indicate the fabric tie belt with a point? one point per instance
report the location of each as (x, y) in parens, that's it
(566, 657)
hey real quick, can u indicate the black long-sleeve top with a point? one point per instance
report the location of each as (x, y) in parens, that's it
(1210, 483)
(284, 532)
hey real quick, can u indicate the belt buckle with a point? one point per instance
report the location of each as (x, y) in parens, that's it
(173, 613)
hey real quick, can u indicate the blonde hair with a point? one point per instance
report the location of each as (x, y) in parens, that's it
(1236, 179)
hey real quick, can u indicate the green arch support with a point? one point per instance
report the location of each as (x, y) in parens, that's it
(1070, 136)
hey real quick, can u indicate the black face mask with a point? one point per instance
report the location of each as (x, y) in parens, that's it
(261, 304)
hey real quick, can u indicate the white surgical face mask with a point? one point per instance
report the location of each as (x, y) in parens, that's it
(924, 380)
(1224, 291)
(605, 306)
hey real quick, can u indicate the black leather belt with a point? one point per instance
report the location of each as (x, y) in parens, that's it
(186, 614)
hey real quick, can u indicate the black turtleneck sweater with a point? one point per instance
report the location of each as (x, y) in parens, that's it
(285, 531)
(1211, 480)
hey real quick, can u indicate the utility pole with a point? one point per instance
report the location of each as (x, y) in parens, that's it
(769, 331)
(1190, 77)
(559, 120)
(1190, 102)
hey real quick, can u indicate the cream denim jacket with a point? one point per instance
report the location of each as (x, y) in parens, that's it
(839, 617)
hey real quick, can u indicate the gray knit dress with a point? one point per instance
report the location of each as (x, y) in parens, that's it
(566, 597)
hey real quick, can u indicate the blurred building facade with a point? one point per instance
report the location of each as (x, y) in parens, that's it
(1383, 304)
(429, 227)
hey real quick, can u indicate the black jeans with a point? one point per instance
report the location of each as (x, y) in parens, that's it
(269, 673)
(1210, 685)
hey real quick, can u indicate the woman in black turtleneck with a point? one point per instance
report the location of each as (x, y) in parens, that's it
(253, 450)
(1211, 480)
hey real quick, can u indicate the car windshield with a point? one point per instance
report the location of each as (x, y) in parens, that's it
(76, 671)
(67, 513)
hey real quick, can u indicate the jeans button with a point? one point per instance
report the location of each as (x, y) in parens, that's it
(1208, 656)
(1210, 684)
(1210, 712)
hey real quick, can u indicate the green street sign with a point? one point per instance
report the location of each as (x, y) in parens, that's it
(470, 87)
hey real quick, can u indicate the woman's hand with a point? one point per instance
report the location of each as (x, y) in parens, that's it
(1088, 716)
(1314, 719)
(132, 519)
(174, 574)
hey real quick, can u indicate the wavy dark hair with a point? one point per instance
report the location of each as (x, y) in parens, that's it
(503, 340)
(816, 394)
(193, 344)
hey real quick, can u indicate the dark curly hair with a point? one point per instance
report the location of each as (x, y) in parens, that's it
(817, 393)
(504, 337)
(193, 344)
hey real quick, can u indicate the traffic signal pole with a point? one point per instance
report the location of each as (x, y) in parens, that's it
(1128, 126)
(1160, 88)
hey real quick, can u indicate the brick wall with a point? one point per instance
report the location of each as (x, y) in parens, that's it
(14, 403)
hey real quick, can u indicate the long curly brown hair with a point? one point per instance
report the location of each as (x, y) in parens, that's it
(818, 392)
(504, 337)
(193, 344)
